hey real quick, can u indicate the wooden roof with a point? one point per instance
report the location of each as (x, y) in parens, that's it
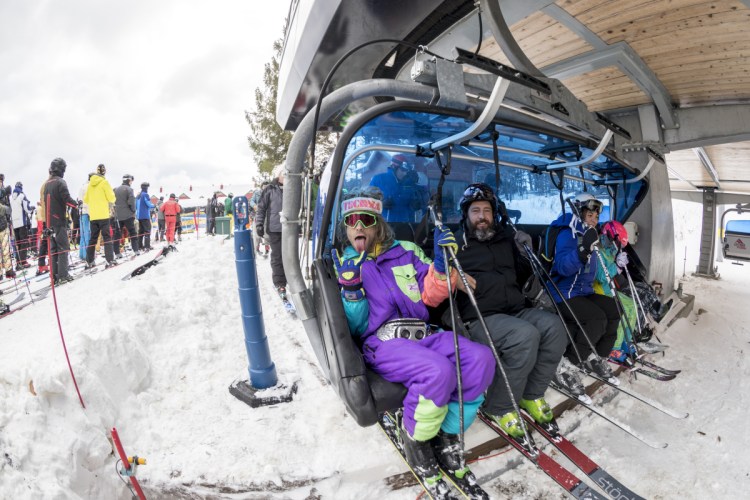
(698, 51)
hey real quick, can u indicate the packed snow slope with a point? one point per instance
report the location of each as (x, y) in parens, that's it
(154, 356)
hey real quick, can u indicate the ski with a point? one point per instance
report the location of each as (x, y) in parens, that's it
(635, 370)
(656, 367)
(612, 420)
(611, 486)
(390, 428)
(651, 347)
(562, 476)
(154, 261)
(633, 394)
(16, 300)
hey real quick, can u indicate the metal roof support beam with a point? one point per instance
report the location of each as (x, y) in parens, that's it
(708, 165)
(708, 126)
(620, 54)
(505, 40)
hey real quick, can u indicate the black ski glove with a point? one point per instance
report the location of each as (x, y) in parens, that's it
(589, 241)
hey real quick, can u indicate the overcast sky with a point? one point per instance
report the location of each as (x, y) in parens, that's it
(156, 89)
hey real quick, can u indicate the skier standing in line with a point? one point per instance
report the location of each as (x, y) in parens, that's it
(143, 208)
(125, 214)
(57, 194)
(268, 224)
(99, 196)
(22, 211)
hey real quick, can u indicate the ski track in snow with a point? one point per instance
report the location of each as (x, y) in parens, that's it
(154, 356)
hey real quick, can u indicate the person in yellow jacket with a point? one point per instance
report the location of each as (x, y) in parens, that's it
(99, 195)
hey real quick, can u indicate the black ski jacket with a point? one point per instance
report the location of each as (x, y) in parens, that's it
(57, 190)
(494, 264)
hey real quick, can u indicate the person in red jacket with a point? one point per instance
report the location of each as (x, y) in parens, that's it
(171, 211)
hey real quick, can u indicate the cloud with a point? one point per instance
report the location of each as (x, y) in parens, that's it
(154, 89)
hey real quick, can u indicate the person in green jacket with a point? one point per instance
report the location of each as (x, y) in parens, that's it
(228, 211)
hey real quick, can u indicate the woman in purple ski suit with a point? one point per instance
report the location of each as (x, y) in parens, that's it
(385, 281)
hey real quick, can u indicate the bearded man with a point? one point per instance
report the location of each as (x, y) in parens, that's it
(530, 341)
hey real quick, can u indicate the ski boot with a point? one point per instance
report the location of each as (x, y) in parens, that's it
(542, 414)
(600, 367)
(448, 453)
(510, 423)
(10, 274)
(421, 459)
(567, 379)
(4, 308)
(42, 270)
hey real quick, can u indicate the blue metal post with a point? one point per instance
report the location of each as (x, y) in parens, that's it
(261, 368)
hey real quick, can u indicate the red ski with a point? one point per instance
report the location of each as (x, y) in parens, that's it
(127, 469)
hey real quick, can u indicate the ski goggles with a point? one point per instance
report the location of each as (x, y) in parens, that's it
(366, 219)
(478, 192)
(592, 205)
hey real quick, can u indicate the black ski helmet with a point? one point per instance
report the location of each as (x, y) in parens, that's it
(479, 191)
(19, 185)
(57, 167)
(101, 169)
(144, 185)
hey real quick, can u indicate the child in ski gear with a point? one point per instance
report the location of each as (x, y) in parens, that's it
(386, 283)
(574, 269)
(530, 341)
(612, 243)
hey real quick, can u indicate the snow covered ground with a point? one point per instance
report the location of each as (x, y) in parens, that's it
(154, 357)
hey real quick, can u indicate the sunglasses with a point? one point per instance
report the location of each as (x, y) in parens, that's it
(593, 205)
(367, 220)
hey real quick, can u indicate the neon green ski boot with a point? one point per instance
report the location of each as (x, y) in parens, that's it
(509, 423)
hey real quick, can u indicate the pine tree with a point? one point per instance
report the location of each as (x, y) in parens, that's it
(268, 141)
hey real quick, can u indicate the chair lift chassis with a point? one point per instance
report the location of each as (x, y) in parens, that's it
(319, 306)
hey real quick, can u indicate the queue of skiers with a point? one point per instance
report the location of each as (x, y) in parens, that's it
(98, 217)
(387, 286)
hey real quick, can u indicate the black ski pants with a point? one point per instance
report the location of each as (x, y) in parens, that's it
(22, 242)
(278, 276)
(100, 226)
(530, 343)
(599, 317)
(132, 234)
(144, 238)
(60, 247)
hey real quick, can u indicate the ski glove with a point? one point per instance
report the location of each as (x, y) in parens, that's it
(259, 231)
(588, 243)
(443, 239)
(622, 260)
(523, 239)
(350, 275)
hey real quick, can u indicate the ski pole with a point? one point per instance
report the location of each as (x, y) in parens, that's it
(618, 302)
(486, 331)
(548, 283)
(459, 377)
(638, 298)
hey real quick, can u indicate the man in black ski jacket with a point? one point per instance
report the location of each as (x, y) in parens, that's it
(530, 341)
(57, 195)
(268, 224)
(125, 215)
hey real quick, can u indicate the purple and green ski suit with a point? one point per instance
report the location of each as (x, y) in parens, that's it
(401, 283)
